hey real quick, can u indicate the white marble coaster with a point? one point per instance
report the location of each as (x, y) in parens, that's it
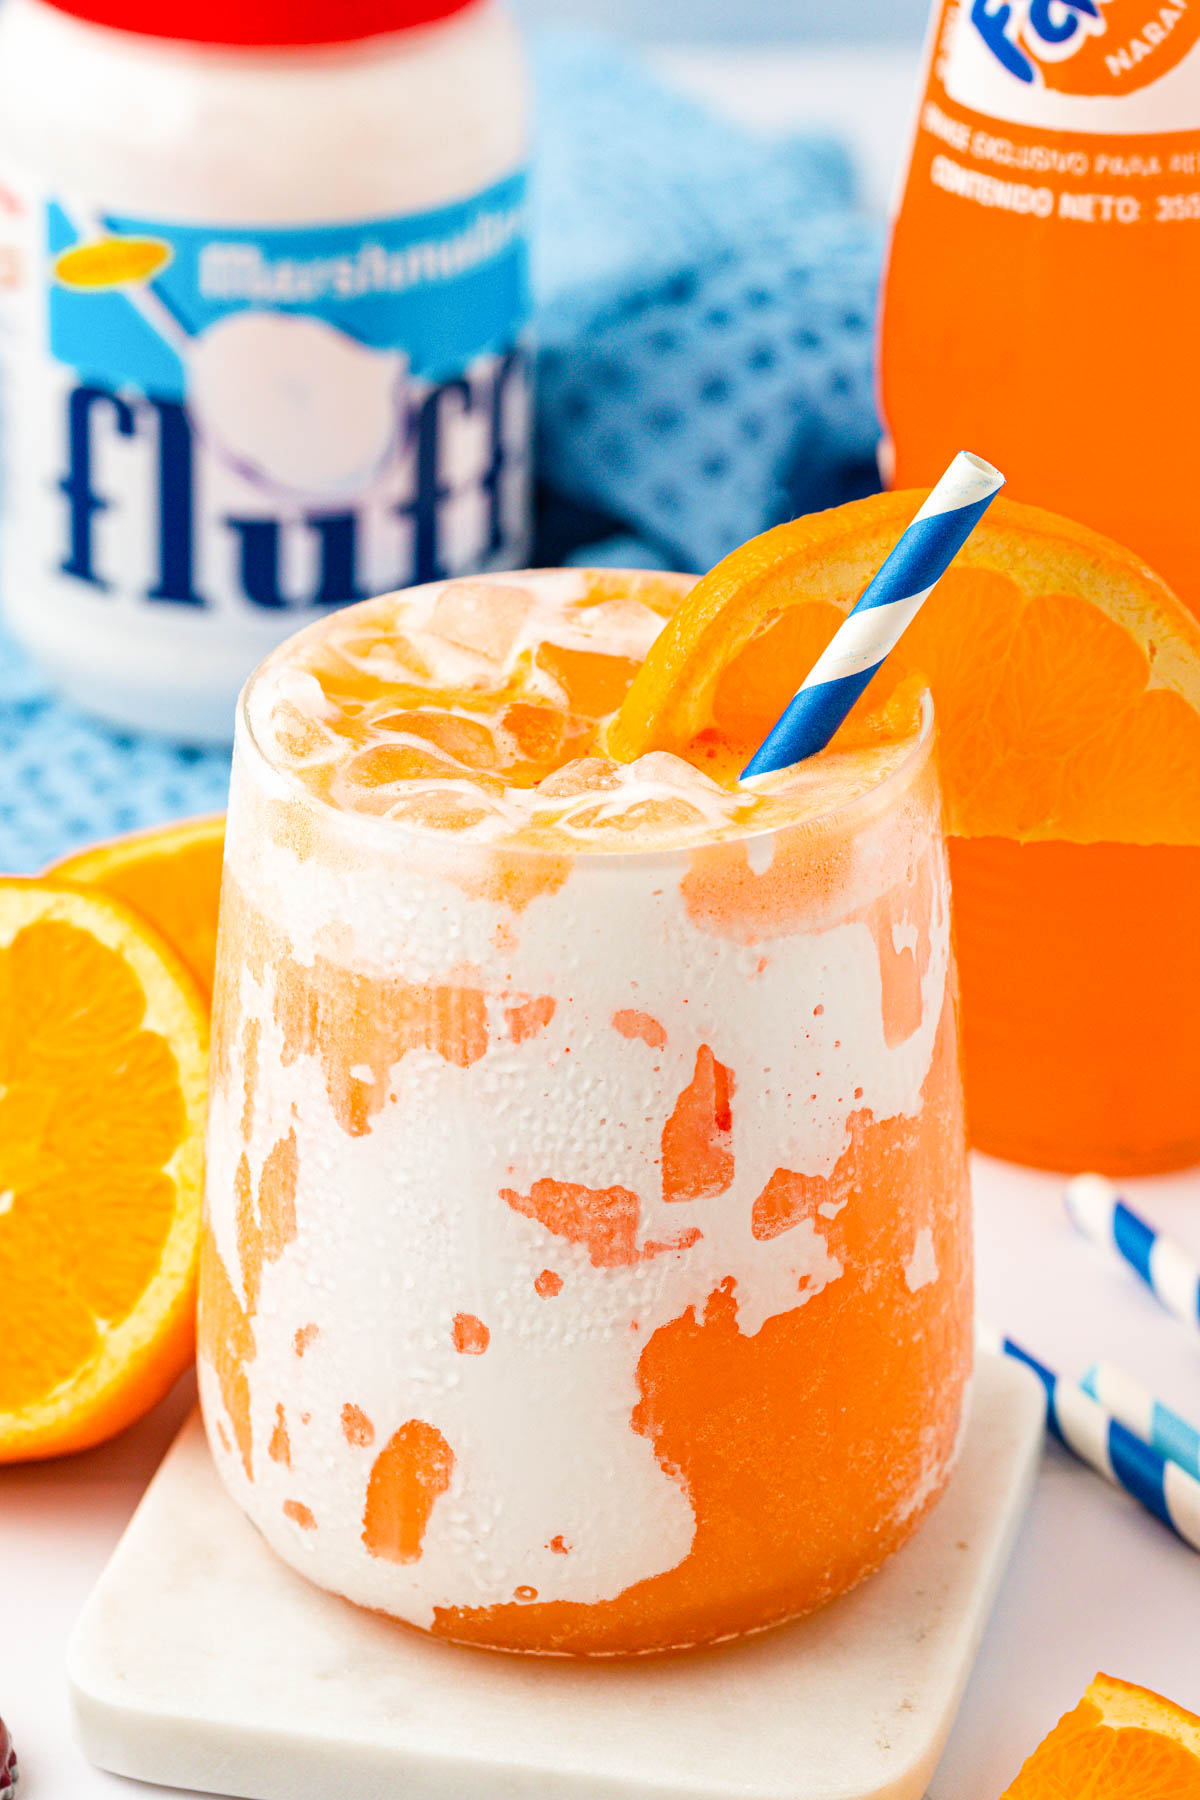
(203, 1662)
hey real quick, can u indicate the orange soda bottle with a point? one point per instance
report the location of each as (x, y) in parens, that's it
(1046, 243)
(1035, 303)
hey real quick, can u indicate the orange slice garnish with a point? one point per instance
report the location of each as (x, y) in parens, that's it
(1065, 674)
(103, 1074)
(1120, 1743)
(171, 876)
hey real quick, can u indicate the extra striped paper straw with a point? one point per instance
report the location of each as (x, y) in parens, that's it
(1083, 1427)
(1125, 1397)
(891, 601)
(1168, 1271)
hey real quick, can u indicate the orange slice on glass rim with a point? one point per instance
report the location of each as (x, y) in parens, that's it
(1065, 674)
(103, 1079)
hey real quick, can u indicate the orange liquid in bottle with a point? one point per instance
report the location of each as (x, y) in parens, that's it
(1049, 223)
(1080, 967)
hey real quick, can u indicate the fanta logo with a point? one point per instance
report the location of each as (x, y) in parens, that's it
(1088, 47)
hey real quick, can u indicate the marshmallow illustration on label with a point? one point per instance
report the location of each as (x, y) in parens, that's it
(297, 404)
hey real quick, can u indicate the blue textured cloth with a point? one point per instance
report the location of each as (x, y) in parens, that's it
(705, 315)
(635, 182)
(66, 781)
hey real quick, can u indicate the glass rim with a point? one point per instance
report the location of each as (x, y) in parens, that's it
(383, 831)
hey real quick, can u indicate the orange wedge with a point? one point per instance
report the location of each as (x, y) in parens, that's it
(103, 1071)
(1066, 684)
(1120, 1743)
(1065, 674)
(171, 876)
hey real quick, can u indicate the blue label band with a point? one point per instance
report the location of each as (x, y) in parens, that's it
(444, 286)
(289, 418)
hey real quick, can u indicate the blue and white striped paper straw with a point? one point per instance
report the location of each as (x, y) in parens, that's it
(1169, 1272)
(1084, 1428)
(1127, 1399)
(890, 603)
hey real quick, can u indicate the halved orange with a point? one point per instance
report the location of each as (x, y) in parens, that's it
(1120, 1743)
(1065, 674)
(103, 1079)
(1066, 686)
(171, 876)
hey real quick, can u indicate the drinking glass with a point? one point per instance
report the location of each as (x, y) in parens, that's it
(587, 1263)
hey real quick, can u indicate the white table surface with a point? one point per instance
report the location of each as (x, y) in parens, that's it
(1095, 1582)
(251, 1679)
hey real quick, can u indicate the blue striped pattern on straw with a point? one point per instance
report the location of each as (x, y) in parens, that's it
(1084, 1428)
(891, 601)
(1168, 1271)
(1125, 1397)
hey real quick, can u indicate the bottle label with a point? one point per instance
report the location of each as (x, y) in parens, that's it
(1048, 227)
(1060, 110)
(254, 421)
(1095, 66)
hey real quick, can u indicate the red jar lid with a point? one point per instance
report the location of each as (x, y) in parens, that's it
(262, 22)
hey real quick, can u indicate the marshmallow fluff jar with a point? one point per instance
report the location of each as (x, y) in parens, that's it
(587, 1264)
(264, 310)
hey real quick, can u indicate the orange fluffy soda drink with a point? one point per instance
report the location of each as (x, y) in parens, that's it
(1049, 224)
(587, 1262)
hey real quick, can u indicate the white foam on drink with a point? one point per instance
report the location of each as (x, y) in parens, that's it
(658, 794)
(473, 646)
